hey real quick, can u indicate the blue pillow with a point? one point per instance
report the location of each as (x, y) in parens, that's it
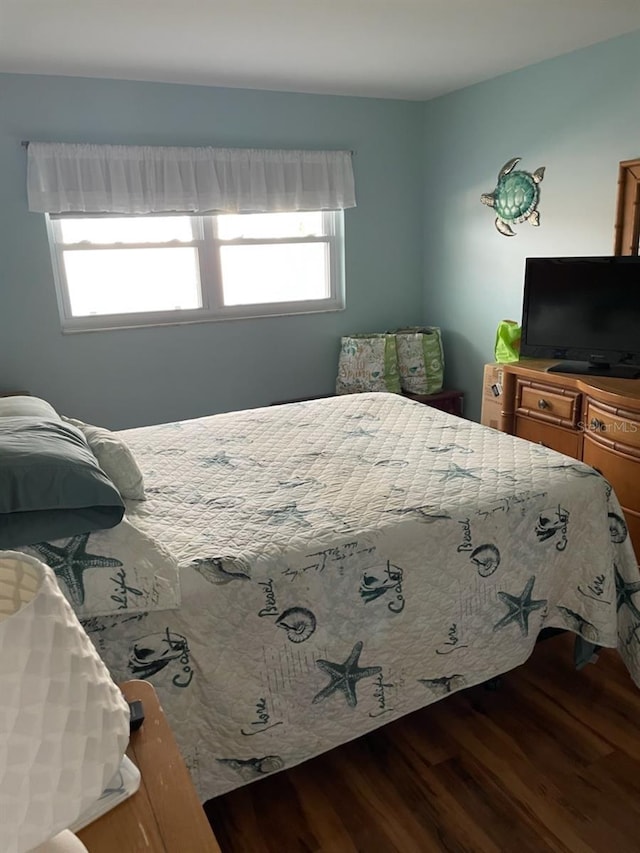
(51, 486)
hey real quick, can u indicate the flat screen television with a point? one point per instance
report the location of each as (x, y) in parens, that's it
(584, 313)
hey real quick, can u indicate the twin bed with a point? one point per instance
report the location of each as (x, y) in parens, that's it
(300, 575)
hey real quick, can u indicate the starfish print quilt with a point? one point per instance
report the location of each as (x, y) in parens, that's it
(344, 562)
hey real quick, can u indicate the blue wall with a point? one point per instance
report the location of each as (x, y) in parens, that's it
(139, 376)
(419, 247)
(578, 116)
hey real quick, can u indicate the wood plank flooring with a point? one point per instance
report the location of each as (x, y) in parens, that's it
(549, 762)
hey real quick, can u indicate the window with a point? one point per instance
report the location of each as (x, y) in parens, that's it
(117, 271)
(137, 239)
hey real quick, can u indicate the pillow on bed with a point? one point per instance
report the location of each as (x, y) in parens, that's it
(115, 459)
(51, 486)
(32, 407)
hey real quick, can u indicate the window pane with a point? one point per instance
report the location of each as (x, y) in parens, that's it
(123, 281)
(256, 226)
(274, 273)
(127, 229)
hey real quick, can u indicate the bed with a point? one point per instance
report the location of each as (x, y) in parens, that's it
(321, 568)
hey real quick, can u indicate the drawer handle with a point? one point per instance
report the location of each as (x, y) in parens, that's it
(597, 425)
(542, 404)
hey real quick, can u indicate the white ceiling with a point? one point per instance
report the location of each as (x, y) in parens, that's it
(413, 49)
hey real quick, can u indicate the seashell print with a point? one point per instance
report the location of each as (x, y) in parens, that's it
(579, 624)
(150, 654)
(270, 763)
(486, 558)
(298, 622)
(443, 685)
(212, 570)
(550, 521)
(617, 528)
(372, 587)
(378, 580)
(253, 768)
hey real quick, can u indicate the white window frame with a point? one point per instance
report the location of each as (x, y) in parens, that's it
(213, 308)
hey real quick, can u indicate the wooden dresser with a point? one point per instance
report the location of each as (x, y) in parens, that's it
(592, 418)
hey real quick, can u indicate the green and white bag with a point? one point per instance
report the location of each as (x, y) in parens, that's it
(368, 362)
(420, 359)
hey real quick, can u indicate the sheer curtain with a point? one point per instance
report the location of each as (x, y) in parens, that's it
(75, 178)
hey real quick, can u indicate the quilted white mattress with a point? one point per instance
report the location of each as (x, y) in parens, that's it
(349, 560)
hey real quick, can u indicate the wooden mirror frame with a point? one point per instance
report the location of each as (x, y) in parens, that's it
(627, 228)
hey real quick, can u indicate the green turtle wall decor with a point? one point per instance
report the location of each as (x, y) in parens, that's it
(515, 197)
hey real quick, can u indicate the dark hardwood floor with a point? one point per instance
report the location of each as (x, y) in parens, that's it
(549, 762)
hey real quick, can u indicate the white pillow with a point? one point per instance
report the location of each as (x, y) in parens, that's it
(27, 407)
(115, 459)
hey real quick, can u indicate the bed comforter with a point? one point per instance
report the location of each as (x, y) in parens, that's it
(346, 561)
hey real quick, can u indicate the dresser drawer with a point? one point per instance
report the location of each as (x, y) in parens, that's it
(549, 403)
(633, 526)
(622, 471)
(615, 428)
(557, 438)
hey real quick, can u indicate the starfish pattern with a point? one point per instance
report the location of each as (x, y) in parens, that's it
(361, 432)
(71, 561)
(624, 591)
(297, 482)
(447, 448)
(575, 468)
(427, 513)
(520, 607)
(455, 472)
(220, 459)
(287, 513)
(364, 416)
(345, 676)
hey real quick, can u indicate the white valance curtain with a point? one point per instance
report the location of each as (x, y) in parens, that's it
(72, 178)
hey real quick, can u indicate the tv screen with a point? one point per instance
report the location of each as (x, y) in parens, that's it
(585, 310)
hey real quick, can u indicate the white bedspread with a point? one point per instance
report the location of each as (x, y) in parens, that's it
(347, 561)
